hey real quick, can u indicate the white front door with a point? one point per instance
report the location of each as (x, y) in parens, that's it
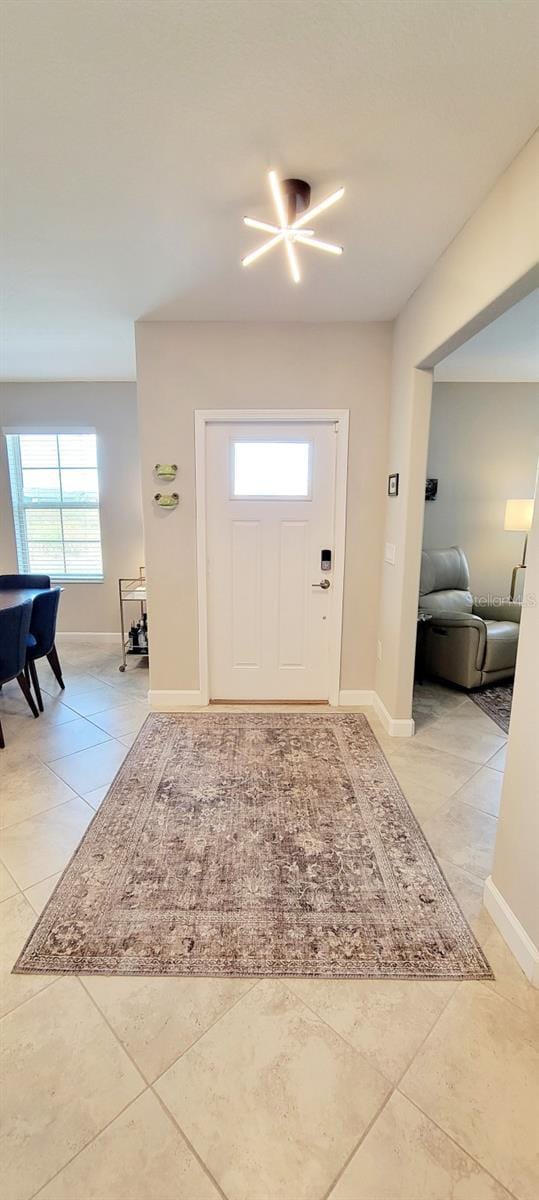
(270, 494)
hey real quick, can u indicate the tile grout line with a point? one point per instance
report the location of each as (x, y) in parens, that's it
(225, 1013)
(366, 1131)
(45, 987)
(36, 884)
(23, 891)
(495, 755)
(488, 985)
(396, 1088)
(446, 857)
(189, 1145)
(342, 1038)
(484, 811)
(93, 1139)
(452, 1139)
(452, 754)
(488, 991)
(132, 1100)
(479, 767)
(28, 999)
(41, 813)
(82, 794)
(465, 871)
(148, 1082)
(418, 1050)
(80, 979)
(11, 876)
(150, 1086)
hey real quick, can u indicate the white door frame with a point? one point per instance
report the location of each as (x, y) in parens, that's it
(324, 416)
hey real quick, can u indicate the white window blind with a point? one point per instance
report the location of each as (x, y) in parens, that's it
(55, 494)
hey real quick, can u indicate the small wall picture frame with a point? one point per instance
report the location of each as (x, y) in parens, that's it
(393, 485)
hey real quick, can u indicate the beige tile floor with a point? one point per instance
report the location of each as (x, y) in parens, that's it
(179, 1089)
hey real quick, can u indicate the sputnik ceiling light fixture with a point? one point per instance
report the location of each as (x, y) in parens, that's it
(291, 227)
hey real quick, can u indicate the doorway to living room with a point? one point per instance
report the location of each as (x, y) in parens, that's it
(481, 474)
(509, 891)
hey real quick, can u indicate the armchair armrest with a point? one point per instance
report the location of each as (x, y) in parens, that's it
(443, 622)
(457, 619)
(509, 611)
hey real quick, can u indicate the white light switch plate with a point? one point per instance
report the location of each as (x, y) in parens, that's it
(390, 553)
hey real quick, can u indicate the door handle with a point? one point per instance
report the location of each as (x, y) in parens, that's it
(324, 584)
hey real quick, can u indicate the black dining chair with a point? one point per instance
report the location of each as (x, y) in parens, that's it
(14, 630)
(12, 582)
(40, 640)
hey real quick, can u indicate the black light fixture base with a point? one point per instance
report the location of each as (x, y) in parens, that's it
(298, 197)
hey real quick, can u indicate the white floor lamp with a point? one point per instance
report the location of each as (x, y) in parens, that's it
(518, 519)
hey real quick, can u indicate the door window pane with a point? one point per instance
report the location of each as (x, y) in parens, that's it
(271, 469)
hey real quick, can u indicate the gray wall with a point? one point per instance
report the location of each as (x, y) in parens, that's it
(111, 408)
(483, 448)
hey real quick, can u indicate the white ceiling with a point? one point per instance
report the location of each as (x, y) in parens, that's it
(507, 350)
(137, 134)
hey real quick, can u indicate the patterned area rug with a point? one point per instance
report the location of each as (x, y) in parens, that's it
(496, 703)
(255, 844)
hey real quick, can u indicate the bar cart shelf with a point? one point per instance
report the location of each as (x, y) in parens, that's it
(131, 591)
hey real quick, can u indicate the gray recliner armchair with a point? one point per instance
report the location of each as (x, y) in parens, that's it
(468, 644)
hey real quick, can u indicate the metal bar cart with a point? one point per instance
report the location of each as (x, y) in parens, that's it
(132, 591)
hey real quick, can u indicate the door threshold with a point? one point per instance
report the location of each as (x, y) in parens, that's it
(262, 703)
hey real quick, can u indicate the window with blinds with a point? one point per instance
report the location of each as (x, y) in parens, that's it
(55, 494)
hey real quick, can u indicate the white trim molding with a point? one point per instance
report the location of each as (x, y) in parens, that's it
(519, 942)
(175, 701)
(395, 726)
(354, 698)
(324, 416)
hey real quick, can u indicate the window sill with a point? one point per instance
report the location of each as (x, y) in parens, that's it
(58, 581)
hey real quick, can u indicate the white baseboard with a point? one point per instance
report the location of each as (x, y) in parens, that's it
(173, 701)
(170, 701)
(395, 726)
(348, 698)
(519, 942)
(90, 637)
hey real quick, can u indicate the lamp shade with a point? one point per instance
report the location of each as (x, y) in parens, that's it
(518, 516)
